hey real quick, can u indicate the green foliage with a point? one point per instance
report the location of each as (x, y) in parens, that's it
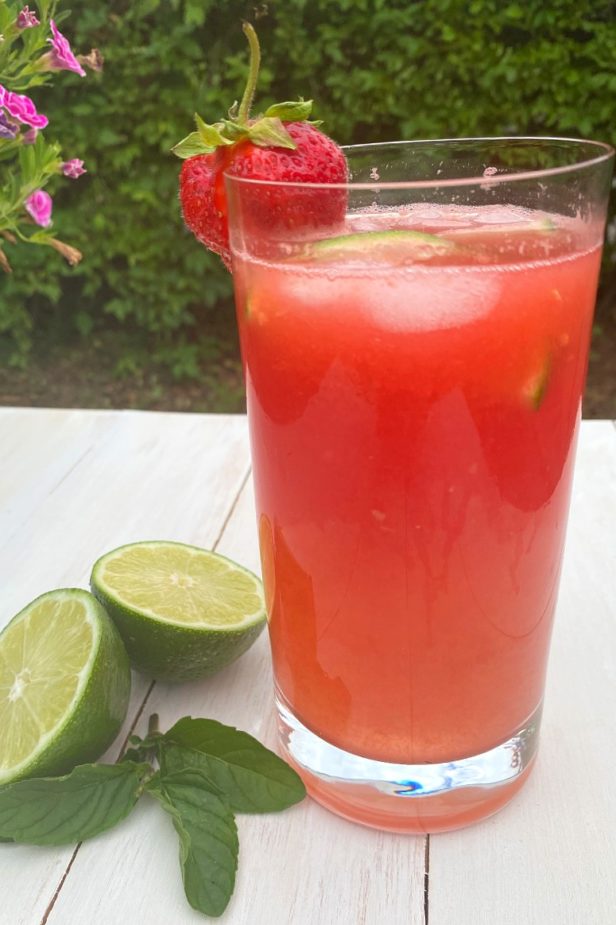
(29, 162)
(377, 70)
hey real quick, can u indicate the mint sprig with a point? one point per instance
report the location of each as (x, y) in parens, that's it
(207, 831)
(206, 772)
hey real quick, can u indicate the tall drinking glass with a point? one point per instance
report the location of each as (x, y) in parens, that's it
(414, 375)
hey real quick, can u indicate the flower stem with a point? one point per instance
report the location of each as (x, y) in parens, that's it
(253, 73)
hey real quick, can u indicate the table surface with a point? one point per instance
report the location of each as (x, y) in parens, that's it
(74, 484)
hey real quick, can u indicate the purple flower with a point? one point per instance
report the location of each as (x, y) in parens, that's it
(7, 129)
(39, 205)
(61, 57)
(73, 168)
(29, 137)
(22, 108)
(27, 19)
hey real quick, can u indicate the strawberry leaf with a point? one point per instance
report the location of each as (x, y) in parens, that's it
(269, 132)
(211, 134)
(190, 146)
(294, 111)
(234, 130)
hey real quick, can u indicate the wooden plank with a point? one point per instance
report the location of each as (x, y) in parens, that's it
(549, 858)
(38, 448)
(304, 866)
(149, 476)
(144, 475)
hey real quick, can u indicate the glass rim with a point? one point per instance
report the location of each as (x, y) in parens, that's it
(606, 152)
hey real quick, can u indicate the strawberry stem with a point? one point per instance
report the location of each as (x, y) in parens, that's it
(253, 73)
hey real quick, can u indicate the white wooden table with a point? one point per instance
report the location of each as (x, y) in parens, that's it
(74, 484)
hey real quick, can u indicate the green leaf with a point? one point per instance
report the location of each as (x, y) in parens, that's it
(132, 755)
(208, 837)
(250, 777)
(63, 810)
(191, 145)
(211, 134)
(270, 133)
(194, 13)
(290, 112)
(233, 130)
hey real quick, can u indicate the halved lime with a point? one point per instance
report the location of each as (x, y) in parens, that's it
(397, 246)
(64, 685)
(183, 612)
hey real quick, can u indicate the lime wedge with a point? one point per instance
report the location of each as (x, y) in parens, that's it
(395, 246)
(183, 612)
(539, 226)
(64, 685)
(536, 386)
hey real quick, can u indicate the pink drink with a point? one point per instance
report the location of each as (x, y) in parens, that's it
(413, 423)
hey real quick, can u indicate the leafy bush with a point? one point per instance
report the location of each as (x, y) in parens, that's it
(378, 69)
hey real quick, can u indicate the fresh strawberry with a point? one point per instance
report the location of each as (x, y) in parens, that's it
(279, 146)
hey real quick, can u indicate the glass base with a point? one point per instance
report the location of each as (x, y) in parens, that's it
(410, 798)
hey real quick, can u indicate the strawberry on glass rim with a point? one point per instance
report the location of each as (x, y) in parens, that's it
(280, 146)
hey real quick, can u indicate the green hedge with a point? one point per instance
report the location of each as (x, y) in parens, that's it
(377, 70)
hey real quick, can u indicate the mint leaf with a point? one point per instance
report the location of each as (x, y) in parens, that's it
(295, 111)
(250, 777)
(192, 145)
(134, 755)
(270, 133)
(63, 810)
(142, 749)
(208, 837)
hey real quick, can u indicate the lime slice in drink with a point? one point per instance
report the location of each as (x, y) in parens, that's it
(540, 226)
(536, 386)
(64, 685)
(397, 247)
(183, 612)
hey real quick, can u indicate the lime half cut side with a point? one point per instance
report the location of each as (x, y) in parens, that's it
(183, 612)
(64, 685)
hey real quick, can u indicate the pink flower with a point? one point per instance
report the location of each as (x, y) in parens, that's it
(29, 137)
(27, 19)
(61, 57)
(73, 168)
(39, 205)
(22, 108)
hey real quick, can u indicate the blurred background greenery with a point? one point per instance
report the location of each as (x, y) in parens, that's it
(146, 319)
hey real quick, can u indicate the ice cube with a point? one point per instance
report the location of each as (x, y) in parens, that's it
(430, 300)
